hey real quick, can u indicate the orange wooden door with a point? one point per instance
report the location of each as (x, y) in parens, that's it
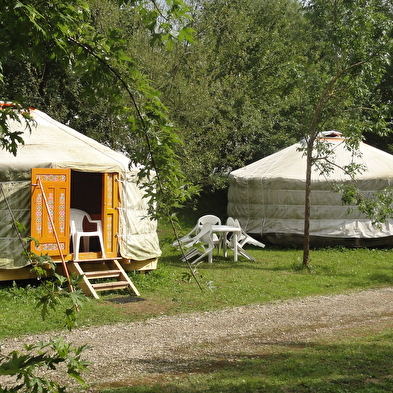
(110, 213)
(56, 189)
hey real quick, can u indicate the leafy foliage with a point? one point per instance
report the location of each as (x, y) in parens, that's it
(62, 36)
(25, 366)
(231, 91)
(59, 294)
(9, 140)
(378, 206)
(64, 40)
(46, 356)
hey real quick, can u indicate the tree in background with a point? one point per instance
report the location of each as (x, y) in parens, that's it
(231, 92)
(62, 53)
(350, 47)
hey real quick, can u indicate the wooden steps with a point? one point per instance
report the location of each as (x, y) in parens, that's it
(104, 270)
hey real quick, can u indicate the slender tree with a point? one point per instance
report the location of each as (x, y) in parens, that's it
(349, 52)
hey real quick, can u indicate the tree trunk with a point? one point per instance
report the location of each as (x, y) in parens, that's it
(307, 209)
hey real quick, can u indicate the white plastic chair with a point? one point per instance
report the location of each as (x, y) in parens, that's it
(200, 246)
(78, 233)
(213, 220)
(208, 218)
(245, 238)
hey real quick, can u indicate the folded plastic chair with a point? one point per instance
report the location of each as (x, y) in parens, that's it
(201, 245)
(187, 237)
(213, 220)
(245, 238)
(242, 239)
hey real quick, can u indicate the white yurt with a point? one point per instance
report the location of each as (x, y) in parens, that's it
(75, 172)
(268, 197)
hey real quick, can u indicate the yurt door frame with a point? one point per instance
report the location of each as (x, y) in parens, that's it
(57, 185)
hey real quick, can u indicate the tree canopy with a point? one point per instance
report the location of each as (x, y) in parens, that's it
(212, 85)
(62, 58)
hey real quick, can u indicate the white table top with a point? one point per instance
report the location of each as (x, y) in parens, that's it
(225, 228)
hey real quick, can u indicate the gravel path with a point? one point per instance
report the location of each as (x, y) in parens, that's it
(178, 344)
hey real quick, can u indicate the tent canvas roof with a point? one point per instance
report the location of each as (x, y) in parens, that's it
(290, 163)
(52, 144)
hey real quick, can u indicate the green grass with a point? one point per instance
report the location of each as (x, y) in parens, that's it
(360, 364)
(276, 275)
(359, 361)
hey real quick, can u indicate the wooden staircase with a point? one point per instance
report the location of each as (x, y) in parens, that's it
(109, 270)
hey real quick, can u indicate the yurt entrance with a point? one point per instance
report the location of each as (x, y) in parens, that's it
(58, 191)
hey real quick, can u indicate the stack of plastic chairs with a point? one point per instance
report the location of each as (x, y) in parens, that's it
(242, 239)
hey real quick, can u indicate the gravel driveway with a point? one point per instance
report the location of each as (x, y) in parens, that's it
(179, 344)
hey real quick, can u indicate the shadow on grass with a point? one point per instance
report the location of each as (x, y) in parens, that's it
(126, 299)
(219, 263)
(269, 367)
(382, 278)
(174, 259)
(327, 270)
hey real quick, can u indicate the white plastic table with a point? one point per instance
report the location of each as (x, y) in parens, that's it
(225, 229)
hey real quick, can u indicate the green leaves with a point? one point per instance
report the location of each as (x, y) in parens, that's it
(95, 55)
(58, 297)
(161, 175)
(377, 206)
(230, 90)
(186, 34)
(10, 140)
(354, 44)
(42, 356)
(166, 21)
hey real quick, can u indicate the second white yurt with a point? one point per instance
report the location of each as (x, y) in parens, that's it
(268, 197)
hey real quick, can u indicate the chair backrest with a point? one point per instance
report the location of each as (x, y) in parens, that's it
(209, 219)
(77, 217)
(242, 233)
(237, 224)
(244, 237)
(231, 222)
(205, 234)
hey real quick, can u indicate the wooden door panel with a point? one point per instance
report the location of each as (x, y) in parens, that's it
(110, 213)
(56, 189)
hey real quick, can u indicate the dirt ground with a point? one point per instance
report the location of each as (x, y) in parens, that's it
(128, 353)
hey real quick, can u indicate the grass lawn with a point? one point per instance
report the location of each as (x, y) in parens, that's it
(359, 364)
(360, 361)
(170, 289)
